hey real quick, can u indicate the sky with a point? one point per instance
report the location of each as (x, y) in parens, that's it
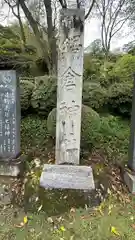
(92, 31)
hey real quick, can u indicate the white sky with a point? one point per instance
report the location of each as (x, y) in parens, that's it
(92, 31)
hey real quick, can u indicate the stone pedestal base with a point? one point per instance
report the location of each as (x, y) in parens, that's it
(9, 171)
(67, 177)
(12, 168)
(129, 179)
(5, 190)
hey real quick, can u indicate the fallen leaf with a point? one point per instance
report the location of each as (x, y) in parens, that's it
(36, 199)
(131, 218)
(65, 197)
(114, 231)
(72, 237)
(72, 210)
(85, 217)
(62, 229)
(86, 207)
(50, 220)
(109, 191)
(19, 225)
(100, 209)
(133, 226)
(37, 162)
(39, 209)
(60, 219)
(25, 220)
(101, 185)
(50, 160)
(110, 209)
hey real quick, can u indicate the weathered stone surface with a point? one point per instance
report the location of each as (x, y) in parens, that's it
(69, 102)
(131, 161)
(69, 92)
(129, 179)
(10, 168)
(9, 115)
(67, 177)
(5, 190)
(90, 125)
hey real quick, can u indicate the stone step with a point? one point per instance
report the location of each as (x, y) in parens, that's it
(67, 177)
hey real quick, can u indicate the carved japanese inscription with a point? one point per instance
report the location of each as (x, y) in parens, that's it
(69, 92)
(9, 115)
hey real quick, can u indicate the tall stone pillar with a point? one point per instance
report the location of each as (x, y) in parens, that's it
(69, 92)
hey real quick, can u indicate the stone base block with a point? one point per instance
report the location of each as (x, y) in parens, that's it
(5, 190)
(12, 168)
(9, 170)
(67, 177)
(129, 179)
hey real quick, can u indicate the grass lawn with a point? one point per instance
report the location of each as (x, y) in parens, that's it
(112, 220)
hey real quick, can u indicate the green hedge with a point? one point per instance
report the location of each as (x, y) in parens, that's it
(26, 88)
(94, 95)
(124, 68)
(43, 99)
(90, 125)
(120, 98)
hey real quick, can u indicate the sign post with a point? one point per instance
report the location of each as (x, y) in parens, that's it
(67, 173)
(129, 175)
(9, 123)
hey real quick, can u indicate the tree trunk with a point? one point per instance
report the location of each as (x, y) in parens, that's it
(51, 37)
(21, 24)
(36, 31)
(22, 32)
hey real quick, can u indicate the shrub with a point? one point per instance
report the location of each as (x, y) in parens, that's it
(91, 67)
(43, 99)
(106, 76)
(33, 132)
(114, 138)
(51, 123)
(89, 126)
(26, 88)
(94, 95)
(120, 97)
(124, 68)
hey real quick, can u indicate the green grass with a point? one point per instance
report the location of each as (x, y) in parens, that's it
(113, 139)
(81, 224)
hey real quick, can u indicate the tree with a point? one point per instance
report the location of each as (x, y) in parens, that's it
(95, 48)
(129, 48)
(15, 7)
(130, 10)
(112, 17)
(49, 50)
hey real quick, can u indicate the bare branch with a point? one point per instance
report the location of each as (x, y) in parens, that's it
(63, 3)
(110, 12)
(12, 7)
(15, 5)
(117, 30)
(90, 8)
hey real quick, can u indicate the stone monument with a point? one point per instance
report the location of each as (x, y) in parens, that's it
(9, 123)
(129, 174)
(67, 173)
